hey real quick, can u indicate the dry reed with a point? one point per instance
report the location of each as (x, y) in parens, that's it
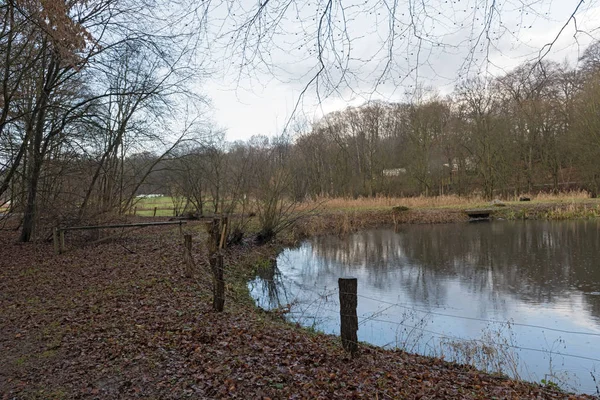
(446, 201)
(560, 196)
(380, 202)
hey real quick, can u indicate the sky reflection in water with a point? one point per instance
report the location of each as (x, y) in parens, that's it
(413, 283)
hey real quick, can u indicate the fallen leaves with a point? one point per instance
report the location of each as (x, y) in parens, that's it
(102, 322)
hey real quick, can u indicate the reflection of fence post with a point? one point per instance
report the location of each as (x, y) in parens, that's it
(187, 256)
(348, 317)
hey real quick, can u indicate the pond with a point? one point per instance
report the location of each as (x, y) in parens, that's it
(520, 298)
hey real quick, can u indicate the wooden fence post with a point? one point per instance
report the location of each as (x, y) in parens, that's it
(215, 238)
(187, 256)
(134, 210)
(348, 317)
(213, 230)
(154, 214)
(218, 283)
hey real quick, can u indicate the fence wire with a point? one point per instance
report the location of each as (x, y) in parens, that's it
(323, 296)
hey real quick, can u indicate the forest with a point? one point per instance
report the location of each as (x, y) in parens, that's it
(99, 108)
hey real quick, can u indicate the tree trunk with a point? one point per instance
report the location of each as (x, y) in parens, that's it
(30, 207)
(37, 153)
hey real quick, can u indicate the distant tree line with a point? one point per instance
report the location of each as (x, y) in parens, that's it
(96, 109)
(537, 128)
(534, 129)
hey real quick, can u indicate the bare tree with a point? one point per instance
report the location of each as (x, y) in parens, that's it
(335, 47)
(53, 56)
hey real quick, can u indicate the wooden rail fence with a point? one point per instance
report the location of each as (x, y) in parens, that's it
(59, 233)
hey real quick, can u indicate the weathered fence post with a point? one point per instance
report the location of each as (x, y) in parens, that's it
(187, 256)
(154, 214)
(134, 210)
(218, 283)
(215, 231)
(348, 317)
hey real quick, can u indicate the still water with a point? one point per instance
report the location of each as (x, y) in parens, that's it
(518, 297)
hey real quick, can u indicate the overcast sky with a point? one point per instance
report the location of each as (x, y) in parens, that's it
(436, 45)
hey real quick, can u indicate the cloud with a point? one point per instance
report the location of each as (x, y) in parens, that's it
(446, 42)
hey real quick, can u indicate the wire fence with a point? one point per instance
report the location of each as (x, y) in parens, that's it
(323, 304)
(332, 292)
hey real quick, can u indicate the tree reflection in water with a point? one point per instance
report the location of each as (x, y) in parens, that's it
(528, 272)
(273, 292)
(534, 261)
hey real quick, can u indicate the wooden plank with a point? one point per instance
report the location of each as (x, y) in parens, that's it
(75, 228)
(479, 213)
(480, 210)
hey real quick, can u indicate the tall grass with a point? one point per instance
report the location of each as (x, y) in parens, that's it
(570, 195)
(494, 352)
(572, 211)
(386, 202)
(446, 201)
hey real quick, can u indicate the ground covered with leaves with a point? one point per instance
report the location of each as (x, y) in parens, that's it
(119, 319)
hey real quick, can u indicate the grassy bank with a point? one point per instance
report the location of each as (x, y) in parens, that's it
(447, 201)
(340, 216)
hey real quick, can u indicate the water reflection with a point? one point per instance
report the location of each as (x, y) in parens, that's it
(537, 262)
(531, 273)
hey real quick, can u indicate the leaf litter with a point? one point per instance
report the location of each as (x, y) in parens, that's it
(121, 320)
